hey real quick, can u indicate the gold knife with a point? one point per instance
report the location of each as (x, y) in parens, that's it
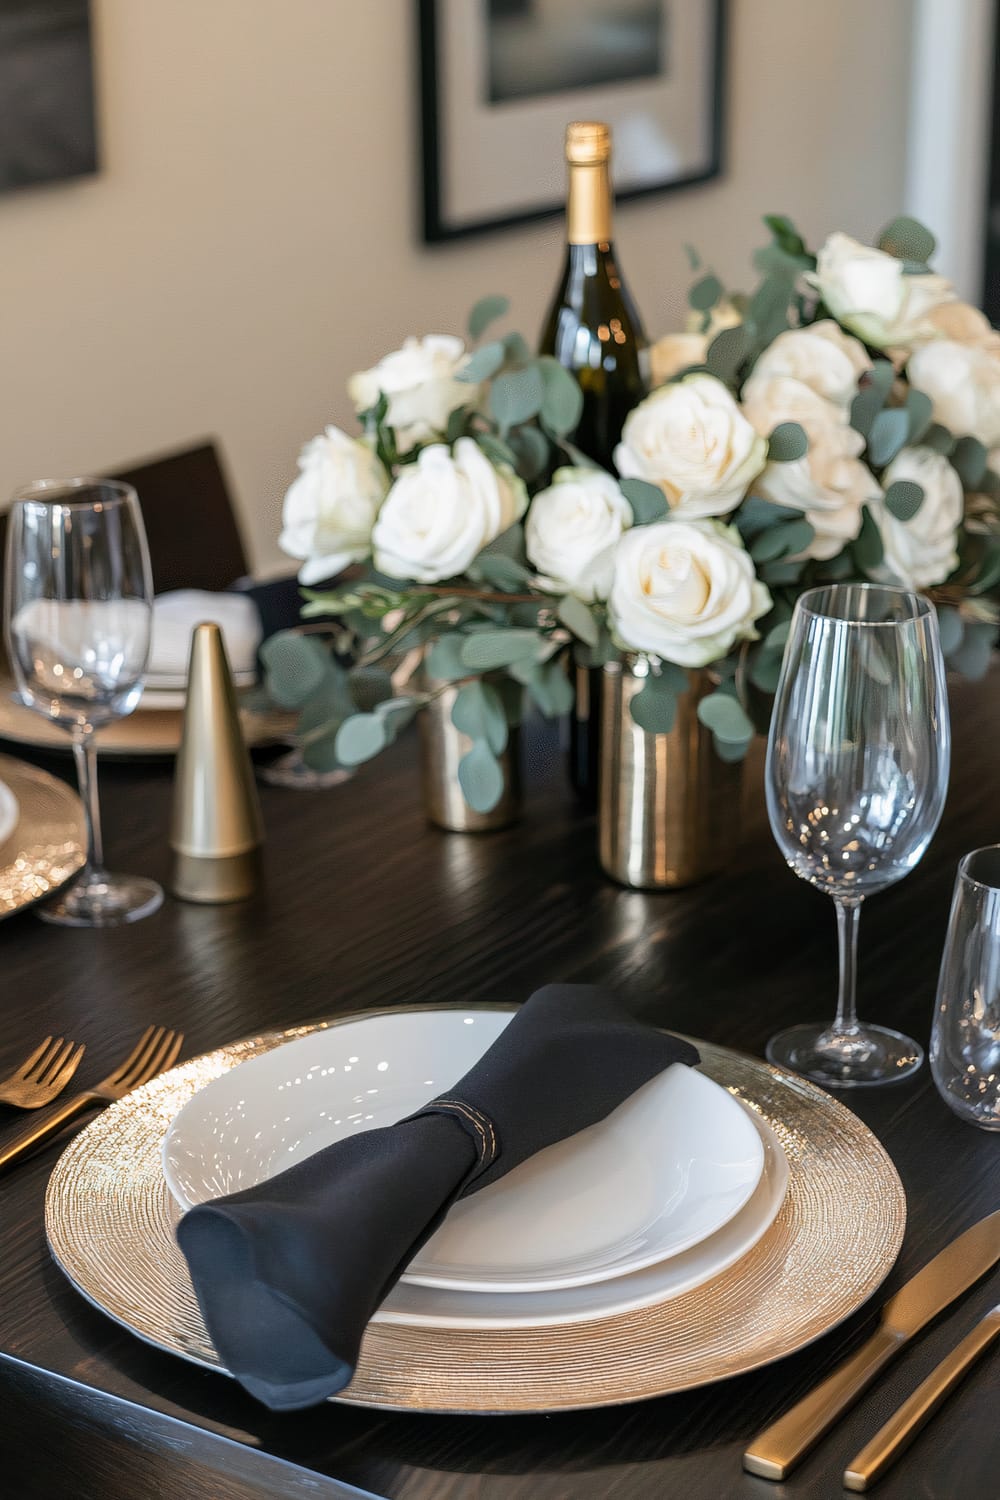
(958, 1266)
(900, 1430)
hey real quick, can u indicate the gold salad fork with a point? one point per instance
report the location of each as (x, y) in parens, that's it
(156, 1050)
(43, 1075)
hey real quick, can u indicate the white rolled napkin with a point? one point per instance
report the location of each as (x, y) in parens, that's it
(175, 616)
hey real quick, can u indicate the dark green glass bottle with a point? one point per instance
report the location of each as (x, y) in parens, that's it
(593, 329)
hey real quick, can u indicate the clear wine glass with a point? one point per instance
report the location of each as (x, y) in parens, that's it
(857, 773)
(77, 616)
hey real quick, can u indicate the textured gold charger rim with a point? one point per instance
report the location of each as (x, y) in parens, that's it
(812, 1285)
(48, 844)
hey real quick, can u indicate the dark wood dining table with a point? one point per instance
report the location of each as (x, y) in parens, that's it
(363, 905)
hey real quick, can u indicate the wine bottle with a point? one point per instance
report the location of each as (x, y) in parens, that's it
(593, 329)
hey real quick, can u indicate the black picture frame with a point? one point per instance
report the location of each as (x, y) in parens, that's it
(438, 226)
(48, 130)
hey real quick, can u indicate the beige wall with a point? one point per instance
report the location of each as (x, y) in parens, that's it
(250, 240)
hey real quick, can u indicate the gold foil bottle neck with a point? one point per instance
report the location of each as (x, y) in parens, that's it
(589, 198)
(588, 142)
(215, 828)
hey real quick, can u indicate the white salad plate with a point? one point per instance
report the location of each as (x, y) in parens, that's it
(665, 1171)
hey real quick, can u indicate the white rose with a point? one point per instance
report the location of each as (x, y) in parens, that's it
(571, 531)
(442, 511)
(330, 509)
(963, 382)
(830, 484)
(964, 324)
(685, 591)
(692, 440)
(923, 551)
(872, 295)
(675, 352)
(420, 385)
(822, 356)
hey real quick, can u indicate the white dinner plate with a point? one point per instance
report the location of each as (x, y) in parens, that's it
(9, 813)
(165, 694)
(433, 1307)
(663, 1172)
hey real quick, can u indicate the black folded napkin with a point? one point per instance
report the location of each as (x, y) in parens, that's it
(287, 1274)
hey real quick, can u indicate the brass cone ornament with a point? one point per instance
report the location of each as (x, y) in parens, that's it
(215, 829)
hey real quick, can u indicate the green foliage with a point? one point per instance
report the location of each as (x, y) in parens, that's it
(787, 442)
(939, 439)
(485, 312)
(550, 688)
(731, 726)
(444, 659)
(647, 501)
(756, 515)
(867, 546)
(516, 397)
(970, 458)
(484, 363)
(919, 408)
(907, 239)
(903, 499)
(295, 666)
(369, 686)
(502, 648)
(478, 711)
(562, 398)
(499, 572)
(481, 778)
(787, 539)
(654, 706)
(575, 615)
(705, 293)
(360, 738)
(728, 352)
(887, 435)
(972, 656)
(950, 629)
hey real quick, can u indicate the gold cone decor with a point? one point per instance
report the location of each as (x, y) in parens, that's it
(216, 829)
(669, 806)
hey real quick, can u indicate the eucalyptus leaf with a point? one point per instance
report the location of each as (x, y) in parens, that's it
(483, 363)
(782, 572)
(694, 259)
(728, 351)
(485, 312)
(919, 408)
(970, 459)
(907, 239)
(502, 648)
(320, 753)
(904, 498)
(575, 615)
(705, 293)
(562, 398)
(777, 637)
(369, 686)
(359, 739)
(867, 546)
(765, 670)
(517, 396)
(551, 689)
(889, 432)
(951, 629)
(654, 707)
(731, 751)
(478, 712)
(785, 234)
(756, 515)
(768, 307)
(787, 442)
(294, 665)
(444, 660)
(496, 450)
(481, 778)
(500, 572)
(865, 408)
(517, 349)
(973, 656)
(648, 502)
(938, 438)
(781, 541)
(532, 449)
(396, 713)
(725, 716)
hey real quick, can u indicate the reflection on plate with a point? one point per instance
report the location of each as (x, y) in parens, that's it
(664, 1171)
(110, 1223)
(9, 813)
(152, 733)
(47, 844)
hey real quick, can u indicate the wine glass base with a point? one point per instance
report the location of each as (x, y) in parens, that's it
(103, 901)
(857, 1059)
(291, 771)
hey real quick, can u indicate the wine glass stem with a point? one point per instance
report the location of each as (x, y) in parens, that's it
(848, 916)
(85, 756)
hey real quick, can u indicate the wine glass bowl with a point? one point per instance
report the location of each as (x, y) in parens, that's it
(78, 619)
(857, 773)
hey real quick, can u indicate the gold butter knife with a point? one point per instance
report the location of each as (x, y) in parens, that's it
(900, 1430)
(779, 1447)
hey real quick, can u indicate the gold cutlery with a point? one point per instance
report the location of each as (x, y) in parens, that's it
(156, 1050)
(777, 1450)
(43, 1075)
(902, 1427)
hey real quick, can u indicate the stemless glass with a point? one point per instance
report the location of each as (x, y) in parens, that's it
(77, 617)
(857, 773)
(965, 1038)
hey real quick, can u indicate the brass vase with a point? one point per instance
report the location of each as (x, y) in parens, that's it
(441, 748)
(669, 807)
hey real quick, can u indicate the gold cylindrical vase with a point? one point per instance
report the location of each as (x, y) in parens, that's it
(441, 748)
(668, 812)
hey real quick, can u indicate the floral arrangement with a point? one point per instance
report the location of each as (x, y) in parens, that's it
(840, 422)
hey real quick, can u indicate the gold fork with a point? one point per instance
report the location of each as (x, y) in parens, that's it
(155, 1050)
(42, 1076)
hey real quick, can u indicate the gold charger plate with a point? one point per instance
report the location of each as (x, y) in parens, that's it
(153, 732)
(48, 845)
(110, 1224)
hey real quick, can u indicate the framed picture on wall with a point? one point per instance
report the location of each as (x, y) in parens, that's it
(500, 80)
(47, 129)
